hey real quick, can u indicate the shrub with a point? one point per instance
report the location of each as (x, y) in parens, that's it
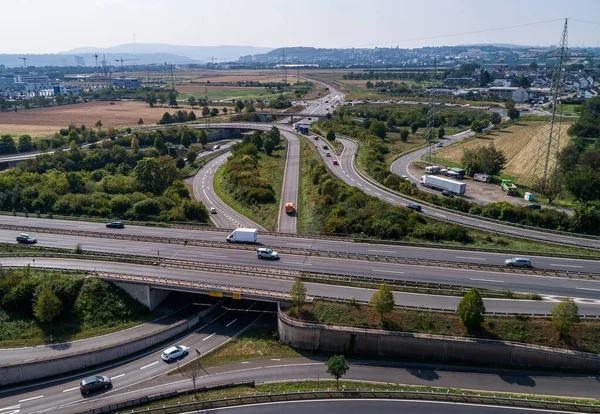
(471, 310)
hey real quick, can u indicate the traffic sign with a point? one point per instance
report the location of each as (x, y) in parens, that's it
(216, 292)
(237, 296)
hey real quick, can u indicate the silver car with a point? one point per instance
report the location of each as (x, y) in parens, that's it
(264, 253)
(174, 352)
(518, 262)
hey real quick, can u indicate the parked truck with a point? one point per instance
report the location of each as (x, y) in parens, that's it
(243, 236)
(508, 187)
(433, 169)
(289, 208)
(441, 183)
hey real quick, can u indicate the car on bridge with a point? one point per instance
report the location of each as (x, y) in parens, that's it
(26, 239)
(264, 253)
(99, 382)
(116, 225)
(174, 352)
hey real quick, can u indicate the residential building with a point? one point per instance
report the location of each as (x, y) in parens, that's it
(517, 94)
(503, 83)
(65, 89)
(6, 83)
(127, 83)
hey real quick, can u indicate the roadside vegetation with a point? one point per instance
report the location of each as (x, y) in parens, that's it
(252, 177)
(581, 336)
(38, 306)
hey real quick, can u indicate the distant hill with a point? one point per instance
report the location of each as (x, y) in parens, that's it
(197, 53)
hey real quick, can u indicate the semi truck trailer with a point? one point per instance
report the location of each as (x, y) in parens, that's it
(441, 183)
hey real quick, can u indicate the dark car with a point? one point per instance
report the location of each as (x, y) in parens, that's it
(448, 193)
(116, 225)
(94, 383)
(414, 206)
(533, 206)
(26, 238)
(325, 147)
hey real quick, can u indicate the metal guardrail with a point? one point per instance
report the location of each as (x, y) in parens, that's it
(490, 400)
(301, 251)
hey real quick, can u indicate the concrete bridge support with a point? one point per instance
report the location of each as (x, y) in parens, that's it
(146, 295)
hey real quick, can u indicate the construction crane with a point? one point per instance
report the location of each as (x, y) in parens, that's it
(123, 60)
(24, 59)
(96, 57)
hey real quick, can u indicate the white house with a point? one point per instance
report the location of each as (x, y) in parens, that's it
(517, 94)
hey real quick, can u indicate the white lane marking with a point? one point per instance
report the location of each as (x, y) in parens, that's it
(16, 409)
(378, 194)
(209, 336)
(439, 215)
(352, 179)
(470, 258)
(387, 271)
(32, 398)
(596, 290)
(391, 199)
(298, 244)
(118, 376)
(298, 263)
(562, 265)
(227, 326)
(245, 362)
(275, 359)
(71, 389)
(381, 251)
(487, 280)
(149, 365)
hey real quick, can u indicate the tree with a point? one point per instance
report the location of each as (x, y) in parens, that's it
(583, 183)
(191, 156)
(205, 111)
(224, 111)
(25, 144)
(159, 143)
(135, 145)
(99, 125)
(151, 100)
(298, 293)
(239, 105)
(471, 309)
(551, 186)
(203, 138)
(214, 112)
(477, 126)
(257, 139)
(47, 306)
(383, 300)
(510, 103)
(250, 108)
(7, 145)
(166, 119)
(192, 101)
(59, 98)
(337, 366)
(513, 113)
(162, 98)
(486, 159)
(269, 146)
(496, 118)
(565, 315)
(173, 99)
(484, 78)
(140, 122)
(156, 174)
(441, 132)
(404, 135)
(180, 163)
(414, 127)
(192, 371)
(378, 129)
(330, 135)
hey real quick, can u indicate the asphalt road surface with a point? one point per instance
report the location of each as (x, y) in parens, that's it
(587, 306)
(286, 223)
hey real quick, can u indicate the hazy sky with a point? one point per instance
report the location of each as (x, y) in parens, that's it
(48, 26)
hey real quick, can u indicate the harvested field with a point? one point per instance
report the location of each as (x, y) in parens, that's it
(47, 121)
(519, 142)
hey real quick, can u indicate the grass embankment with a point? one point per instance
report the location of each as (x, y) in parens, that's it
(310, 221)
(271, 168)
(88, 307)
(328, 385)
(584, 336)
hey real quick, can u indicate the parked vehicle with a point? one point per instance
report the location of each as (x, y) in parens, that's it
(433, 169)
(482, 177)
(448, 193)
(174, 352)
(98, 382)
(26, 239)
(414, 206)
(508, 187)
(439, 144)
(242, 235)
(289, 208)
(518, 262)
(116, 225)
(533, 206)
(441, 183)
(264, 253)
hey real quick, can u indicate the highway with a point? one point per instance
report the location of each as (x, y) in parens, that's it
(143, 376)
(230, 280)
(287, 223)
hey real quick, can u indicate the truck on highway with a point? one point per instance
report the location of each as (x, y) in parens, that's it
(289, 208)
(242, 235)
(508, 187)
(441, 183)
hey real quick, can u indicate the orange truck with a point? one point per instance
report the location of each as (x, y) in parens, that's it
(289, 208)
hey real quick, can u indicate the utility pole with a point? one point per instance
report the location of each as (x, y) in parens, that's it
(298, 67)
(122, 70)
(430, 128)
(172, 79)
(550, 143)
(284, 68)
(24, 59)
(96, 57)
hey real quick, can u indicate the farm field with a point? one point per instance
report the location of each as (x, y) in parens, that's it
(47, 121)
(519, 142)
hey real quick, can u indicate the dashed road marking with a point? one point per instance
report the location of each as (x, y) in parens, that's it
(149, 365)
(227, 326)
(209, 336)
(32, 398)
(487, 280)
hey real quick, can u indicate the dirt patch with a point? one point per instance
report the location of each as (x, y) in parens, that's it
(47, 121)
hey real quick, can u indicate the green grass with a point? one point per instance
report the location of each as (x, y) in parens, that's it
(584, 336)
(234, 93)
(329, 385)
(570, 109)
(309, 221)
(272, 169)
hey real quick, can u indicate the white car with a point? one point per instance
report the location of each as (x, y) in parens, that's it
(174, 352)
(213, 210)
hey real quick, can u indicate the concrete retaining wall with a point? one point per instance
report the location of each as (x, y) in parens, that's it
(36, 369)
(410, 346)
(146, 295)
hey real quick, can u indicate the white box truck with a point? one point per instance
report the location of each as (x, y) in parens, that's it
(243, 236)
(441, 183)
